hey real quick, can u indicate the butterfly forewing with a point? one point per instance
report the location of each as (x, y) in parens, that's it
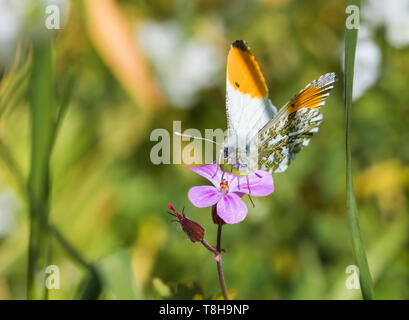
(292, 127)
(247, 105)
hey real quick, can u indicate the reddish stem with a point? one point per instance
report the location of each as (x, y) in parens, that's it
(219, 262)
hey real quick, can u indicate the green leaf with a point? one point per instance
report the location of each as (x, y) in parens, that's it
(16, 86)
(66, 94)
(351, 35)
(42, 116)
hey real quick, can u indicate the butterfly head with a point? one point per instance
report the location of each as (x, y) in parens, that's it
(240, 154)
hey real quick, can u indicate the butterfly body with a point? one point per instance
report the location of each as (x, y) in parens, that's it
(259, 137)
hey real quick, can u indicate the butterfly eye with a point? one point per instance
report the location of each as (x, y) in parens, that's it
(226, 152)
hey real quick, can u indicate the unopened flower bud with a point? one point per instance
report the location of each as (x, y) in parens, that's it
(193, 230)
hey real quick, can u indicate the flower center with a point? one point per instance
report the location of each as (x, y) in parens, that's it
(224, 186)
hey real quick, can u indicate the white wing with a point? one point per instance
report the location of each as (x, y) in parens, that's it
(247, 105)
(247, 115)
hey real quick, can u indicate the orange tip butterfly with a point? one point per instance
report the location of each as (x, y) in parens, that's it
(259, 137)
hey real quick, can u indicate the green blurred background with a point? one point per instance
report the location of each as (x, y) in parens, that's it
(139, 65)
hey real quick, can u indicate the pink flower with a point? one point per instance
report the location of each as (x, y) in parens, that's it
(227, 191)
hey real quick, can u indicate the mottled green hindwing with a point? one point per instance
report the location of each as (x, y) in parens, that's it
(278, 145)
(293, 125)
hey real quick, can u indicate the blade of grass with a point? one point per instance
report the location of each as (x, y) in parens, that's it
(91, 287)
(42, 115)
(17, 81)
(351, 36)
(66, 94)
(7, 158)
(381, 255)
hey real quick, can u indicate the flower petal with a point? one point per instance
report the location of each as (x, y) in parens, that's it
(258, 184)
(231, 208)
(211, 172)
(204, 196)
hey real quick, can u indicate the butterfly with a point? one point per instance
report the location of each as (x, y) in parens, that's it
(259, 136)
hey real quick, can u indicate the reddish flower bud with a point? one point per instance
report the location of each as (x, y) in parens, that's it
(193, 230)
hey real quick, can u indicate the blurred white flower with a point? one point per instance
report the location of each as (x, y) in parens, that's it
(10, 21)
(184, 66)
(16, 21)
(393, 14)
(9, 207)
(367, 63)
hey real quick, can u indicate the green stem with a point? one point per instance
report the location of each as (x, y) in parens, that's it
(91, 287)
(8, 160)
(70, 249)
(42, 130)
(351, 36)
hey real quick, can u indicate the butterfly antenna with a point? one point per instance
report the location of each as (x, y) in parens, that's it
(224, 170)
(198, 138)
(220, 156)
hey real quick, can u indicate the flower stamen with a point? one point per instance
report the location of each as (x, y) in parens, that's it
(224, 186)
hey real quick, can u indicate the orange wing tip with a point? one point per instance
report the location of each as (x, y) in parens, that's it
(314, 94)
(243, 71)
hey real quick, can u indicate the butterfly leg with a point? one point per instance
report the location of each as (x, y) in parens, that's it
(248, 184)
(249, 194)
(217, 169)
(251, 200)
(224, 170)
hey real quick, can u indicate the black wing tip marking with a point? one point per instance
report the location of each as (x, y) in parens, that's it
(240, 44)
